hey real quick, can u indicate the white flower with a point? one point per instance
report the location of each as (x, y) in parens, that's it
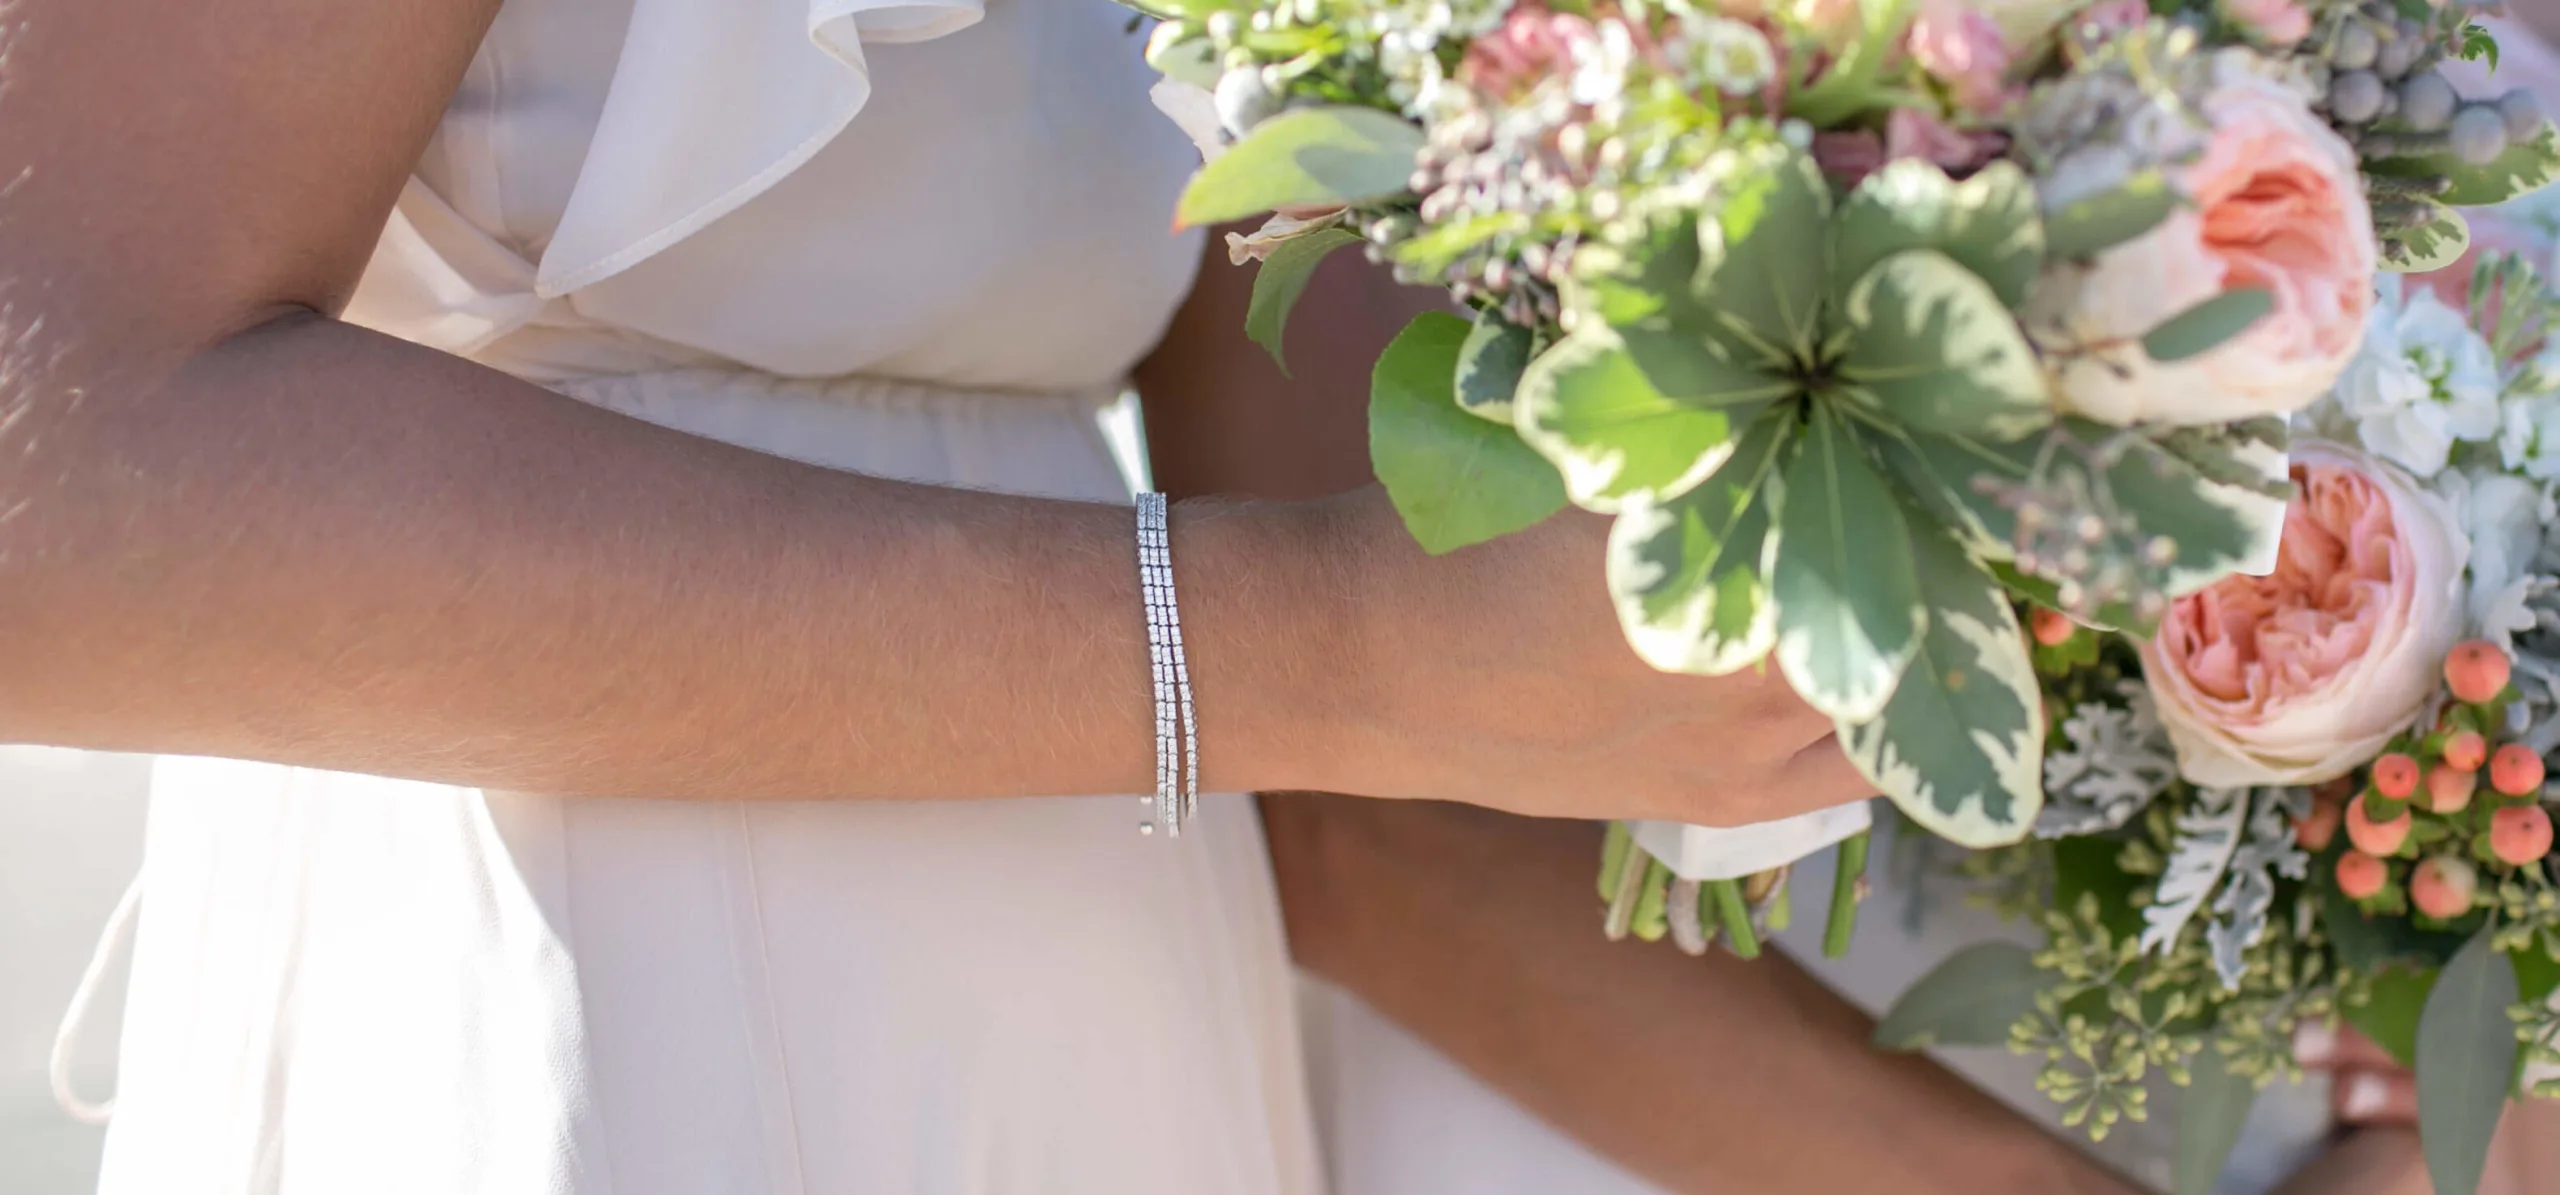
(2529, 435)
(1193, 110)
(2504, 516)
(1733, 57)
(2422, 381)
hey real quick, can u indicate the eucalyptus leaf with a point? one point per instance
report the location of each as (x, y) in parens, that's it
(2522, 168)
(1586, 406)
(1960, 747)
(1282, 279)
(1969, 1000)
(2466, 1064)
(2212, 1109)
(2085, 227)
(1937, 351)
(2207, 325)
(1988, 224)
(1766, 248)
(1849, 609)
(1685, 571)
(1456, 479)
(2432, 245)
(1304, 157)
(1490, 364)
(2389, 1016)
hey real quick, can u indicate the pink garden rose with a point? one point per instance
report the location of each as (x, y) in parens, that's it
(2301, 675)
(2278, 205)
(2275, 22)
(1960, 46)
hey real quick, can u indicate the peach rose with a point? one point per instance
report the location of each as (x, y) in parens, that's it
(2301, 675)
(1962, 47)
(2278, 205)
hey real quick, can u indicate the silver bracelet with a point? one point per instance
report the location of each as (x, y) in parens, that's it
(1177, 795)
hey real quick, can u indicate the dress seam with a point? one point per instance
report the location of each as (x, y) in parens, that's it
(795, 1182)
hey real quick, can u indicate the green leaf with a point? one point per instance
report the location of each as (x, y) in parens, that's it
(1456, 479)
(1282, 279)
(2466, 1064)
(1939, 473)
(2390, 1016)
(1586, 406)
(1849, 612)
(1960, 747)
(1937, 351)
(2204, 327)
(1766, 249)
(2520, 169)
(1490, 364)
(1969, 1000)
(2215, 528)
(1988, 224)
(2211, 1110)
(2085, 227)
(1686, 571)
(1304, 157)
(2114, 616)
(2433, 245)
(2478, 43)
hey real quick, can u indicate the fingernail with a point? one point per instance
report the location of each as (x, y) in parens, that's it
(2366, 1094)
(2314, 1043)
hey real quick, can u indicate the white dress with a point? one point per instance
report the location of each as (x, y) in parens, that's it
(923, 239)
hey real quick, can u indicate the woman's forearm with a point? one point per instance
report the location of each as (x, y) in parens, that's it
(318, 545)
(1476, 931)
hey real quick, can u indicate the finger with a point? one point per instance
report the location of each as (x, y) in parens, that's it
(2376, 1097)
(2338, 1047)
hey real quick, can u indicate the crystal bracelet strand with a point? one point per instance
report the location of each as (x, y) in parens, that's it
(1177, 738)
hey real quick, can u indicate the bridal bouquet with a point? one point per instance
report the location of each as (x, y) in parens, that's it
(2321, 792)
(1866, 319)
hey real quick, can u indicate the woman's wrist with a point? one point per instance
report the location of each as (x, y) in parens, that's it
(1271, 629)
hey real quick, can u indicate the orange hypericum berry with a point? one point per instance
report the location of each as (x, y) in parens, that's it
(2317, 829)
(2476, 671)
(2372, 837)
(2361, 875)
(2050, 627)
(2395, 776)
(2466, 750)
(2442, 887)
(2449, 788)
(2515, 770)
(2520, 834)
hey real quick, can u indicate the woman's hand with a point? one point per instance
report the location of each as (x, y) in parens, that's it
(2375, 1095)
(1497, 675)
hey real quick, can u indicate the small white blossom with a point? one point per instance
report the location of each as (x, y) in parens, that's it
(1729, 55)
(2529, 432)
(2422, 381)
(2504, 515)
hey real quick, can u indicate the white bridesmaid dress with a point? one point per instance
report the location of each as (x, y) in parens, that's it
(923, 239)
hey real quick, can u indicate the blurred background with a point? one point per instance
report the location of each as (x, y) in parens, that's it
(70, 840)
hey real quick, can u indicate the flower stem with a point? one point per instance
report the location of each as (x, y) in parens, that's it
(1735, 915)
(1844, 897)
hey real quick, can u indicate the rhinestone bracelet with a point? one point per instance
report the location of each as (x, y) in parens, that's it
(1177, 795)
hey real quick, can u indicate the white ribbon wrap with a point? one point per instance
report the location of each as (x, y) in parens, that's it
(1730, 853)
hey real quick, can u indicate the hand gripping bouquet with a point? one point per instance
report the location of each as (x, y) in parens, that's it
(1867, 320)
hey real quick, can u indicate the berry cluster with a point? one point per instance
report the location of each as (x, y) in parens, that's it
(2421, 830)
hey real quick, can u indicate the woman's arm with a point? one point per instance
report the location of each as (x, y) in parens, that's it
(1478, 931)
(231, 525)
